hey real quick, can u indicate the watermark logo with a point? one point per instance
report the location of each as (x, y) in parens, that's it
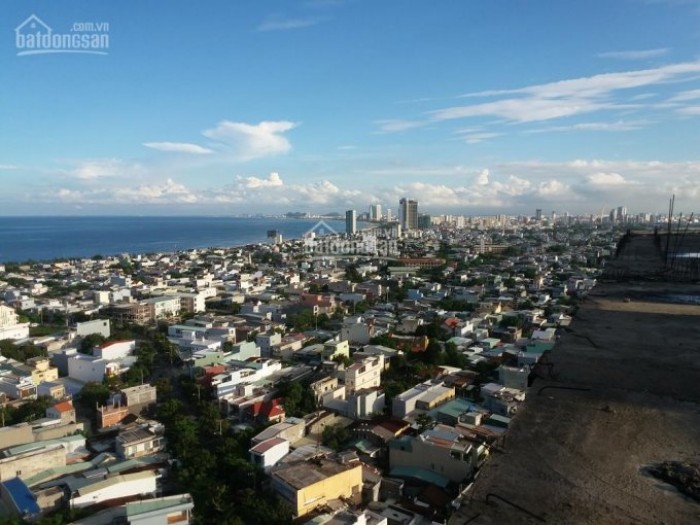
(36, 37)
(323, 241)
(319, 229)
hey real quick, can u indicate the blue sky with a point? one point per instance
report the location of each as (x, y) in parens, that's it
(469, 106)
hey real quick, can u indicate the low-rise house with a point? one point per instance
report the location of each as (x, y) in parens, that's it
(307, 485)
(501, 400)
(64, 411)
(115, 349)
(97, 326)
(291, 429)
(114, 487)
(168, 510)
(424, 396)
(17, 387)
(138, 398)
(139, 441)
(267, 454)
(265, 412)
(10, 327)
(364, 374)
(18, 499)
(438, 455)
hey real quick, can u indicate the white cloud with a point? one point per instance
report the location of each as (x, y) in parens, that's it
(475, 138)
(483, 178)
(529, 109)
(565, 98)
(684, 96)
(273, 180)
(169, 192)
(178, 147)
(602, 84)
(640, 54)
(94, 169)
(394, 125)
(620, 125)
(606, 179)
(578, 185)
(8, 167)
(689, 111)
(280, 23)
(251, 141)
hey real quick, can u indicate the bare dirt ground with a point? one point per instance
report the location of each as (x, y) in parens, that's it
(579, 457)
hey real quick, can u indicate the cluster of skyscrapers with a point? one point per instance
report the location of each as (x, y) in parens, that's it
(407, 220)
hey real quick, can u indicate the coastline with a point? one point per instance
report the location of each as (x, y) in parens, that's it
(47, 239)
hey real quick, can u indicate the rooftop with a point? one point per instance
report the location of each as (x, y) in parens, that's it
(305, 473)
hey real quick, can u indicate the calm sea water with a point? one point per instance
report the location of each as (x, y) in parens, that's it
(45, 238)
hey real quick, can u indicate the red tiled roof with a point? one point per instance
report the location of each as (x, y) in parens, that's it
(64, 406)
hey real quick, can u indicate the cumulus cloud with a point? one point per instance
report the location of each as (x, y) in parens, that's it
(273, 180)
(178, 147)
(251, 141)
(168, 192)
(578, 185)
(483, 178)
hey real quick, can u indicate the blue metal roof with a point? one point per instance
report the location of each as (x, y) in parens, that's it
(21, 496)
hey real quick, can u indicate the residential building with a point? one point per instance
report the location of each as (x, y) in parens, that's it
(115, 349)
(168, 510)
(424, 396)
(139, 397)
(86, 368)
(10, 327)
(365, 403)
(267, 342)
(97, 326)
(307, 485)
(267, 453)
(163, 306)
(65, 411)
(18, 499)
(364, 374)
(115, 487)
(140, 441)
(17, 387)
(27, 464)
(440, 451)
(291, 429)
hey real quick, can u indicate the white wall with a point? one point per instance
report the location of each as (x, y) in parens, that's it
(130, 486)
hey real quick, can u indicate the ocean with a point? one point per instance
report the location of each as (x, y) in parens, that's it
(47, 238)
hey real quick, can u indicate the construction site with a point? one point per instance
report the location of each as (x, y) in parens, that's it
(610, 431)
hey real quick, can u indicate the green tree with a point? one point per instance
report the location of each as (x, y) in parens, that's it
(335, 436)
(93, 393)
(424, 422)
(89, 342)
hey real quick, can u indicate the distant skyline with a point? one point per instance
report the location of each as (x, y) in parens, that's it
(469, 107)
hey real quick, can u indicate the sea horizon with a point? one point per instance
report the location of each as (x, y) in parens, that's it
(50, 237)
